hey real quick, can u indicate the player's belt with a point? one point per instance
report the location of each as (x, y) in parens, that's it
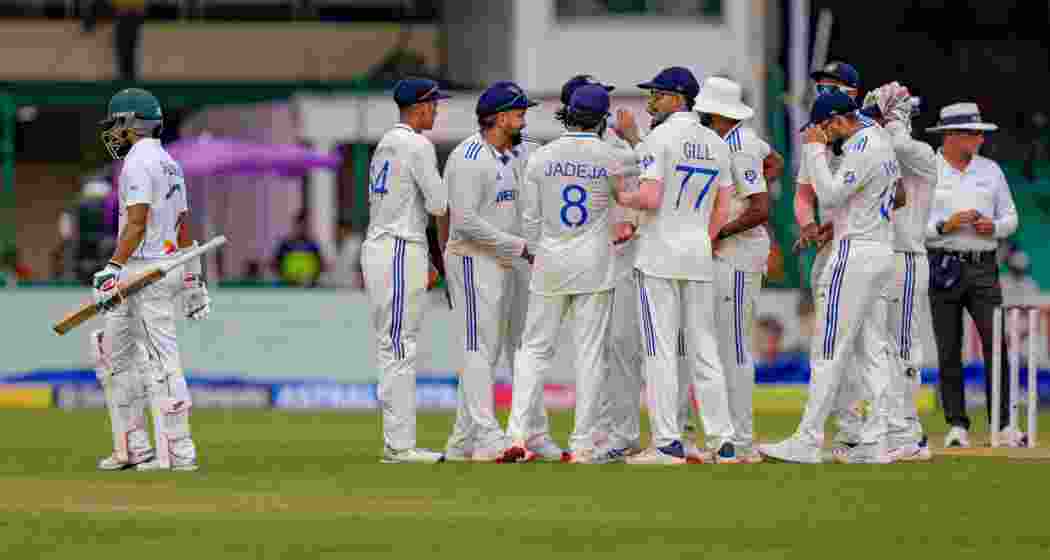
(972, 257)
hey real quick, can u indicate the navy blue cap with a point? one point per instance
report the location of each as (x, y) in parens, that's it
(502, 96)
(590, 99)
(674, 79)
(417, 90)
(830, 105)
(577, 81)
(839, 71)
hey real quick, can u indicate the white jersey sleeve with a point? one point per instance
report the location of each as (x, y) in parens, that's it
(425, 174)
(404, 187)
(747, 250)
(918, 163)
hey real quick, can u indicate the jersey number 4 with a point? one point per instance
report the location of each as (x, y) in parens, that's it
(378, 183)
(689, 171)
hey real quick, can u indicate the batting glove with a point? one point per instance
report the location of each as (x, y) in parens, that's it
(195, 299)
(105, 284)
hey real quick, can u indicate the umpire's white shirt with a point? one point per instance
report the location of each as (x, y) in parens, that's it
(404, 186)
(567, 195)
(982, 187)
(693, 163)
(150, 176)
(483, 187)
(747, 251)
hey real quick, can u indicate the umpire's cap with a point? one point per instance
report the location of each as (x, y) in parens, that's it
(503, 96)
(839, 71)
(580, 80)
(676, 80)
(410, 91)
(830, 105)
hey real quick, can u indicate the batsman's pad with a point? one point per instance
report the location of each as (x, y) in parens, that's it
(125, 395)
(170, 403)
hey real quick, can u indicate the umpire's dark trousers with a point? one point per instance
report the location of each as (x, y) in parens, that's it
(978, 292)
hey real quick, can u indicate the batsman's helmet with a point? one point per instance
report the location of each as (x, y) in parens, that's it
(129, 109)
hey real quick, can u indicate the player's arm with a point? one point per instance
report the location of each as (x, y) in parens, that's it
(772, 166)
(900, 195)
(465, 183)
(425, 174)
(750, 179)
(910, 152)
(650, 193)
(832, 189)
(531, 209)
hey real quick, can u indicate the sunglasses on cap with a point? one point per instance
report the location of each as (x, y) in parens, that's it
(823, 89)
(658, 93)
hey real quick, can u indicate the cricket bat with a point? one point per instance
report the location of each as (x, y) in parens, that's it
(133, 286)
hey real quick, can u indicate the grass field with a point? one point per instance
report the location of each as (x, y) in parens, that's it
(305, 485)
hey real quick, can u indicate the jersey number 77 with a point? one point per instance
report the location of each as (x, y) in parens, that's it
(689, 171)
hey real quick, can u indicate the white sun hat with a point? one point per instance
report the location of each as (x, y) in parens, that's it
(724, 97)
(961, 116)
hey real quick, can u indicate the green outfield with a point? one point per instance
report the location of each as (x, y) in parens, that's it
(305, 485)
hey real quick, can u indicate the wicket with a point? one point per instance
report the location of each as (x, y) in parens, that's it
(1014, 377)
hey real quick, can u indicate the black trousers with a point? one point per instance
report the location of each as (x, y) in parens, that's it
(978, 292)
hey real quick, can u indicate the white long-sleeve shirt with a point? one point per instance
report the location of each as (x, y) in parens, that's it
(568, 193)
(404, 186)
(981, 186)
(484, 191)
(918, 163)
(862, 187)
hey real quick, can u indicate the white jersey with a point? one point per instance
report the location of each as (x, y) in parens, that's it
(862, 187)
(569, 189)
(827, 215)
(918, 164)
(150, 176)
(404, 186)
(693, 163)
(484, 188)
(748, 250)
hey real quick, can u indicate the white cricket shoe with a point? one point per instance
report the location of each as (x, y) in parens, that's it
(792, 450)
(863, 454)
(487, 455)
(424, 456)
(1012, 437)
(912, 453)
(154, 465)
(458, 454)
(748, 455)
(957, 437)
(696, 456)
(543, 448)
(671, 454)
(112, 463)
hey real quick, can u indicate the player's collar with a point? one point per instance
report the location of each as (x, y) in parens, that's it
(735, 128)
(142, 142)
(404, 126)
(683, 116)
(568, 134)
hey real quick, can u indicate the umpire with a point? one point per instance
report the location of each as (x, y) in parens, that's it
(972, 210)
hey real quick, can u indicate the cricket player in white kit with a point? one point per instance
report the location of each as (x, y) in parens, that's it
(142, 356)
(568, 191)
(684, 170)
(405, 189)
(741, 253)
(484, 181)
(852, 299)
(918, 165)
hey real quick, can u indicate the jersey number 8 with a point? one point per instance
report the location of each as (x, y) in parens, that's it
(574, 196)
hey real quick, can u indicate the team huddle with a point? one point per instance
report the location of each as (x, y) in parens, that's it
(649, 253)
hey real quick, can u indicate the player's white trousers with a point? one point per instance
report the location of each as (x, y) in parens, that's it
(481, 291)
(910, 290)
(395, 273)
(519, 304)
(588, 316)
(621, 392)
(852, 303)
(146, 322)
(665, 306)
(736, 298)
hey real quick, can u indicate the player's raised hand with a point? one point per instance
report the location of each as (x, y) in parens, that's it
(627, 127)
(195, 299)
(105, 283)
(984, 226)
(622, 232)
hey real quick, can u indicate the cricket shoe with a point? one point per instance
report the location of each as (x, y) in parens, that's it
(912, 453)
(748, 455)
(726, 454)
(957, 437)
(671, 454)
(516, 453)
(458, 454)
(112, 463)
(1012, 437)
(696, 456)
(424, 456)
(542, 448)
(613, 455)
(862, 454)
(792, 450)
(488, 455)
(155, 465)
